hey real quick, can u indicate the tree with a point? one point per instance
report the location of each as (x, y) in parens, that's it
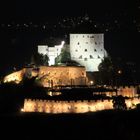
(119, 103)
(41, 59)
(106, 71)
(106, 65)
(64, 56)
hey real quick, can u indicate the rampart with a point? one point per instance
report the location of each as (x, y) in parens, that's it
(51, 106)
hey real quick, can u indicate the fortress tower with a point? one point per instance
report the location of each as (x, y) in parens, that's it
(51, 52)
(88, 50)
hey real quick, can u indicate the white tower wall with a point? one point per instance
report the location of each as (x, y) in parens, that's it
(87, 49)
(52, 52)
(42, 49)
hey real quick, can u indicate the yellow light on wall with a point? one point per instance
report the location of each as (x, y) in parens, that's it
(91, 82)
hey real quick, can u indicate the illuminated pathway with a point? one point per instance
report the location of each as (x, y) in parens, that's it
(51, 106)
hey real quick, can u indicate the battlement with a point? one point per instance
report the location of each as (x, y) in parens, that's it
(79, 106)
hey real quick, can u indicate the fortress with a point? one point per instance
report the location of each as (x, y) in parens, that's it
(52, 106)
(50, 76)
(86, 49)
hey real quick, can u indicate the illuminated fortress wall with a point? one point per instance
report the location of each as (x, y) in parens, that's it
(88, 50)
(15, 77)
(126, 91)
(62, 75)
(65, 106)
(50, 76)
(48, 106)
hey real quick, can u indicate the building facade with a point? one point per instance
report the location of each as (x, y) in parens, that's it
(51, 76)
(51, 52)
(88, 50)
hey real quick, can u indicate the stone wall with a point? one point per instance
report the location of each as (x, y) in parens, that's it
(62, 75)
(51, 106)
(65, 106)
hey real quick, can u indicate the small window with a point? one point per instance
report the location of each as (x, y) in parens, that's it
(91, 56)
(95, 43)
(95, 50)
(83, 36)
(85, 59)
(99, 56)
(85, 50)
(78, 43)
(80, 57)
(101, 50)
(92, 37)
(76, 50)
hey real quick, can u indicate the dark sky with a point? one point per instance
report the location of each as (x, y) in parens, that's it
(17, 47)
(19, 9)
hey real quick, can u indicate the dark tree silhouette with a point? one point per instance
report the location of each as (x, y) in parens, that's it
(119, 103)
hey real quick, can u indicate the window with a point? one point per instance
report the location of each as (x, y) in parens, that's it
(76, 50)
(83, 36)
(95, 43)
(92, 37)
(85, 59)
(85, 50)
(95, 50)
(91, 56)
(78, 43)
(101, 50)
(80, 57)
(99, 56)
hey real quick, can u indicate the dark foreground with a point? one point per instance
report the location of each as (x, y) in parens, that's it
(104, 125)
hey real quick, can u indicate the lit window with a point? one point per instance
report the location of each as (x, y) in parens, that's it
(85, 50)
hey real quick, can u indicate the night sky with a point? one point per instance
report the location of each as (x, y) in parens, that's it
(27, 23)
